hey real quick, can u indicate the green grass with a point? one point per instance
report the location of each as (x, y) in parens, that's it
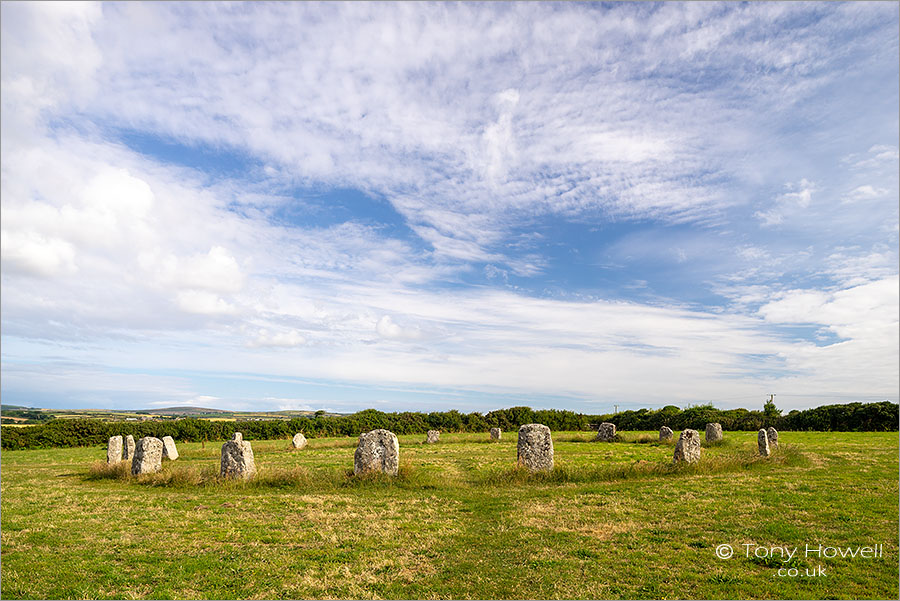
(612, 520)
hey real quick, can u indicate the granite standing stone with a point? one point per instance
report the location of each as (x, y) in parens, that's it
(169, 450)
(148, 453)
(665, 433)
(495, 433)
(606, 432)
(299, 441)
(713, 432)
(237, 458)
(762, 440)
(377, 451)
(772, 435)
(433, 436)
(128, 449)
(535, 447)
(687, 448)
(114, 449)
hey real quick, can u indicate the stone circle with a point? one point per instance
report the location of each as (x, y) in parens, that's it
(169, 450)
(535, 447)
(687, 448)
(772, 435)
(299, 441)
(762, 440)
(432, 436)
(128, 449)
(665, 433)
(606, 432)
(377, 451)
(495, 433)
(114, 449)
(237, 458)
(148, 454)
(713, 432)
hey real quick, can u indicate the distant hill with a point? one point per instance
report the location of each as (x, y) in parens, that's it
(181, 411)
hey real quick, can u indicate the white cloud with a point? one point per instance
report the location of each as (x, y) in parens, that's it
(788, 204)
(863, 193)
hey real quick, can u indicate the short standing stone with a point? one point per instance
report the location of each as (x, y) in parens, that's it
(665, 433)
(432, 436)
(377, 451)
(237, 458)
(169, 450)
(535, 447)
(763, 441)
(687, 448)
(114, 449)
(148, 454)
(299, 441)
(772, 435)
(606, 432)
(128, 449)
(713, 432)
(495, 433)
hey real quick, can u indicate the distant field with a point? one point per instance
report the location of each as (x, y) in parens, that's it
(612, 521)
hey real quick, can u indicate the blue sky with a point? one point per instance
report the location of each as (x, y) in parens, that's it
(431, 206)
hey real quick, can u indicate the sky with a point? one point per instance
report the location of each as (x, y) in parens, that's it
(429, 206)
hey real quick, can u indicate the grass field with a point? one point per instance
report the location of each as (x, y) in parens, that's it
(614, 520)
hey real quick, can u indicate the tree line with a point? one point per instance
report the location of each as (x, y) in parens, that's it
(883, 416)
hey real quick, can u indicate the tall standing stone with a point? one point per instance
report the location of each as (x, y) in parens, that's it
(535, 447)
(377, 451)
(606, 432)
(772, 435)
(687, 448)
(148, 454)
(432, 436)
(237, 458)
(128, 449)
(713, 432)
(299, 441)
(495, 434)
(665, 433)
(762, 440)
(169, 450)
(114, 449)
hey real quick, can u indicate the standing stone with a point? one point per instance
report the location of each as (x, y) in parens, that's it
(377, 451)
(114, 449)
(688, 447)
(713, 432)
(433, 436)
(237, 458)
(606, 432)
(763, 441)
(772, 435)
(495, 434)
(148, 453)
(299, 441)
(535, 447)
(665, 433)
(128, 449)
(169, 450)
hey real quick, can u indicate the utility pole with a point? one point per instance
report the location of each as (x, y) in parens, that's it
(617, 408)
(772, 398)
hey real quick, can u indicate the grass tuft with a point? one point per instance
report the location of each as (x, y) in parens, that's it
(100, 470)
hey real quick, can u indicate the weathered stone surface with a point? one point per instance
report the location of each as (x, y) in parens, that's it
(148, 454)
(377, 451)
(495, 433)
(763, 441)
(606, 432)
(433, 436)
(114, 449)
(299, 441)
(535, 447)
(665, 433)
(688, 447)
(772, 435)
(713, 432)
(169, 450)
(128, 449)
(237, 458)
